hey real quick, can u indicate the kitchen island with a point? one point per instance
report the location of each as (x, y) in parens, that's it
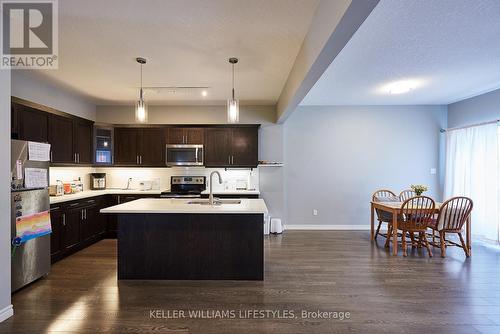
(179, 239)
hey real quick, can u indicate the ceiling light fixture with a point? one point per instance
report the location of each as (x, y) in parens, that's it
(401, 87)
(141, 111)
(204, 93)
(233, 105)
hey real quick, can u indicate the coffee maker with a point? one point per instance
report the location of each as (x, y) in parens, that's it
(97, 181)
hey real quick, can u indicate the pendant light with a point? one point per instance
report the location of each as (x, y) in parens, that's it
(233, 105)
(141, 110)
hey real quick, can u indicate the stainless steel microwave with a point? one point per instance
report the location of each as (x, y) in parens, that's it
(184, 155)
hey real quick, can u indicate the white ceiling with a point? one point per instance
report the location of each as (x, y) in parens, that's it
(186, 43)
(449, 48)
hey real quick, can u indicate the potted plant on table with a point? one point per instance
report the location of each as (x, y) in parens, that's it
(419, 189)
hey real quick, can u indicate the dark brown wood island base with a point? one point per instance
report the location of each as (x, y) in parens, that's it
(190, 246)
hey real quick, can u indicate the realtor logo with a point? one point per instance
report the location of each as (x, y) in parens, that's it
(29, 34)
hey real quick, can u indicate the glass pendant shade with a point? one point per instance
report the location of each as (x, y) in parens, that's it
(141, 111)
(233, 111)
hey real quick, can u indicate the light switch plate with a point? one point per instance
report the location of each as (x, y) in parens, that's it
(433, 171)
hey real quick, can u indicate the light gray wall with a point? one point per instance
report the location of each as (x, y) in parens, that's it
(272, 178)
(333, 24)
(30, 85)
(482, 108)
(335, 157)
(5, 303)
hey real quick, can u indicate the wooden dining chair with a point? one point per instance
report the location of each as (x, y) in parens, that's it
(416, 215)
(383, 195)
(453, 214)
(405, 194)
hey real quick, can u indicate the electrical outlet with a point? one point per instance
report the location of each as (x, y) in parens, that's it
(315, 212)
(433, 171)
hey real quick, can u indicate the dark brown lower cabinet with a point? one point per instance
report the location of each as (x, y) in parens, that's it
(57, 222)
(76, 225)
(79, 224)
(71, 231)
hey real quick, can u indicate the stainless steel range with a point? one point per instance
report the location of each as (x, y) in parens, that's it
(185, 187)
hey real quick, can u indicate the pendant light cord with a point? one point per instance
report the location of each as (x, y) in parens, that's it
(233, 81)
(141, 82)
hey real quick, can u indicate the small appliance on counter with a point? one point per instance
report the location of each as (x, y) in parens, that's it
(97, 181)
(56, 189)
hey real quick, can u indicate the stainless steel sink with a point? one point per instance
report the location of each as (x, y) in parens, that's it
(217, 201)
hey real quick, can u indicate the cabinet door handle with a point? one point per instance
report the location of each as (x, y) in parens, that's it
(140, 160)
(229, 159)
(74, 158)
(74, 204)
(50, 155)
(64, 219)
(78, 157)
(55, 208)
(81, 214)
(232, 160)
(85, 214)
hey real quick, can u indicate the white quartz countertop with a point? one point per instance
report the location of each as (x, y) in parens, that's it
(94, 193)
(170, 205)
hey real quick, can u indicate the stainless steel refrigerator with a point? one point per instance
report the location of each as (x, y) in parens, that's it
(30, 259)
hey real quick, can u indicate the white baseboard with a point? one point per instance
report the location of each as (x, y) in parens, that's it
(329, 227)
(6, 313)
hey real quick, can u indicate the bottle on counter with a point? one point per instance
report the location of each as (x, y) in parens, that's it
(59, 188)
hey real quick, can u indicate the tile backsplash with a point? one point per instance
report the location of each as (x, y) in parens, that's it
(116, 177)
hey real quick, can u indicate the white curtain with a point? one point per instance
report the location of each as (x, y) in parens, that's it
(473, 170)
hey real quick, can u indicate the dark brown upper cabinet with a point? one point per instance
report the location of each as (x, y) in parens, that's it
(127, 144)
(245, 146)
(217, 147)
(185, 135)
(60, 134)
(70, 140)
(31, 124)
(231, 147)
(83, 141)
(70, 137)
(139, 146)
(152, 147)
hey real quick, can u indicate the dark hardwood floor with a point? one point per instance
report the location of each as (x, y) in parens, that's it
(328, 271)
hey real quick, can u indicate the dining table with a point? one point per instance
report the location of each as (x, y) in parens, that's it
(394, 208)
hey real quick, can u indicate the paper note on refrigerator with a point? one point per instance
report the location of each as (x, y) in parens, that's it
(33, 226)
(35, 178)
(38, 151)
